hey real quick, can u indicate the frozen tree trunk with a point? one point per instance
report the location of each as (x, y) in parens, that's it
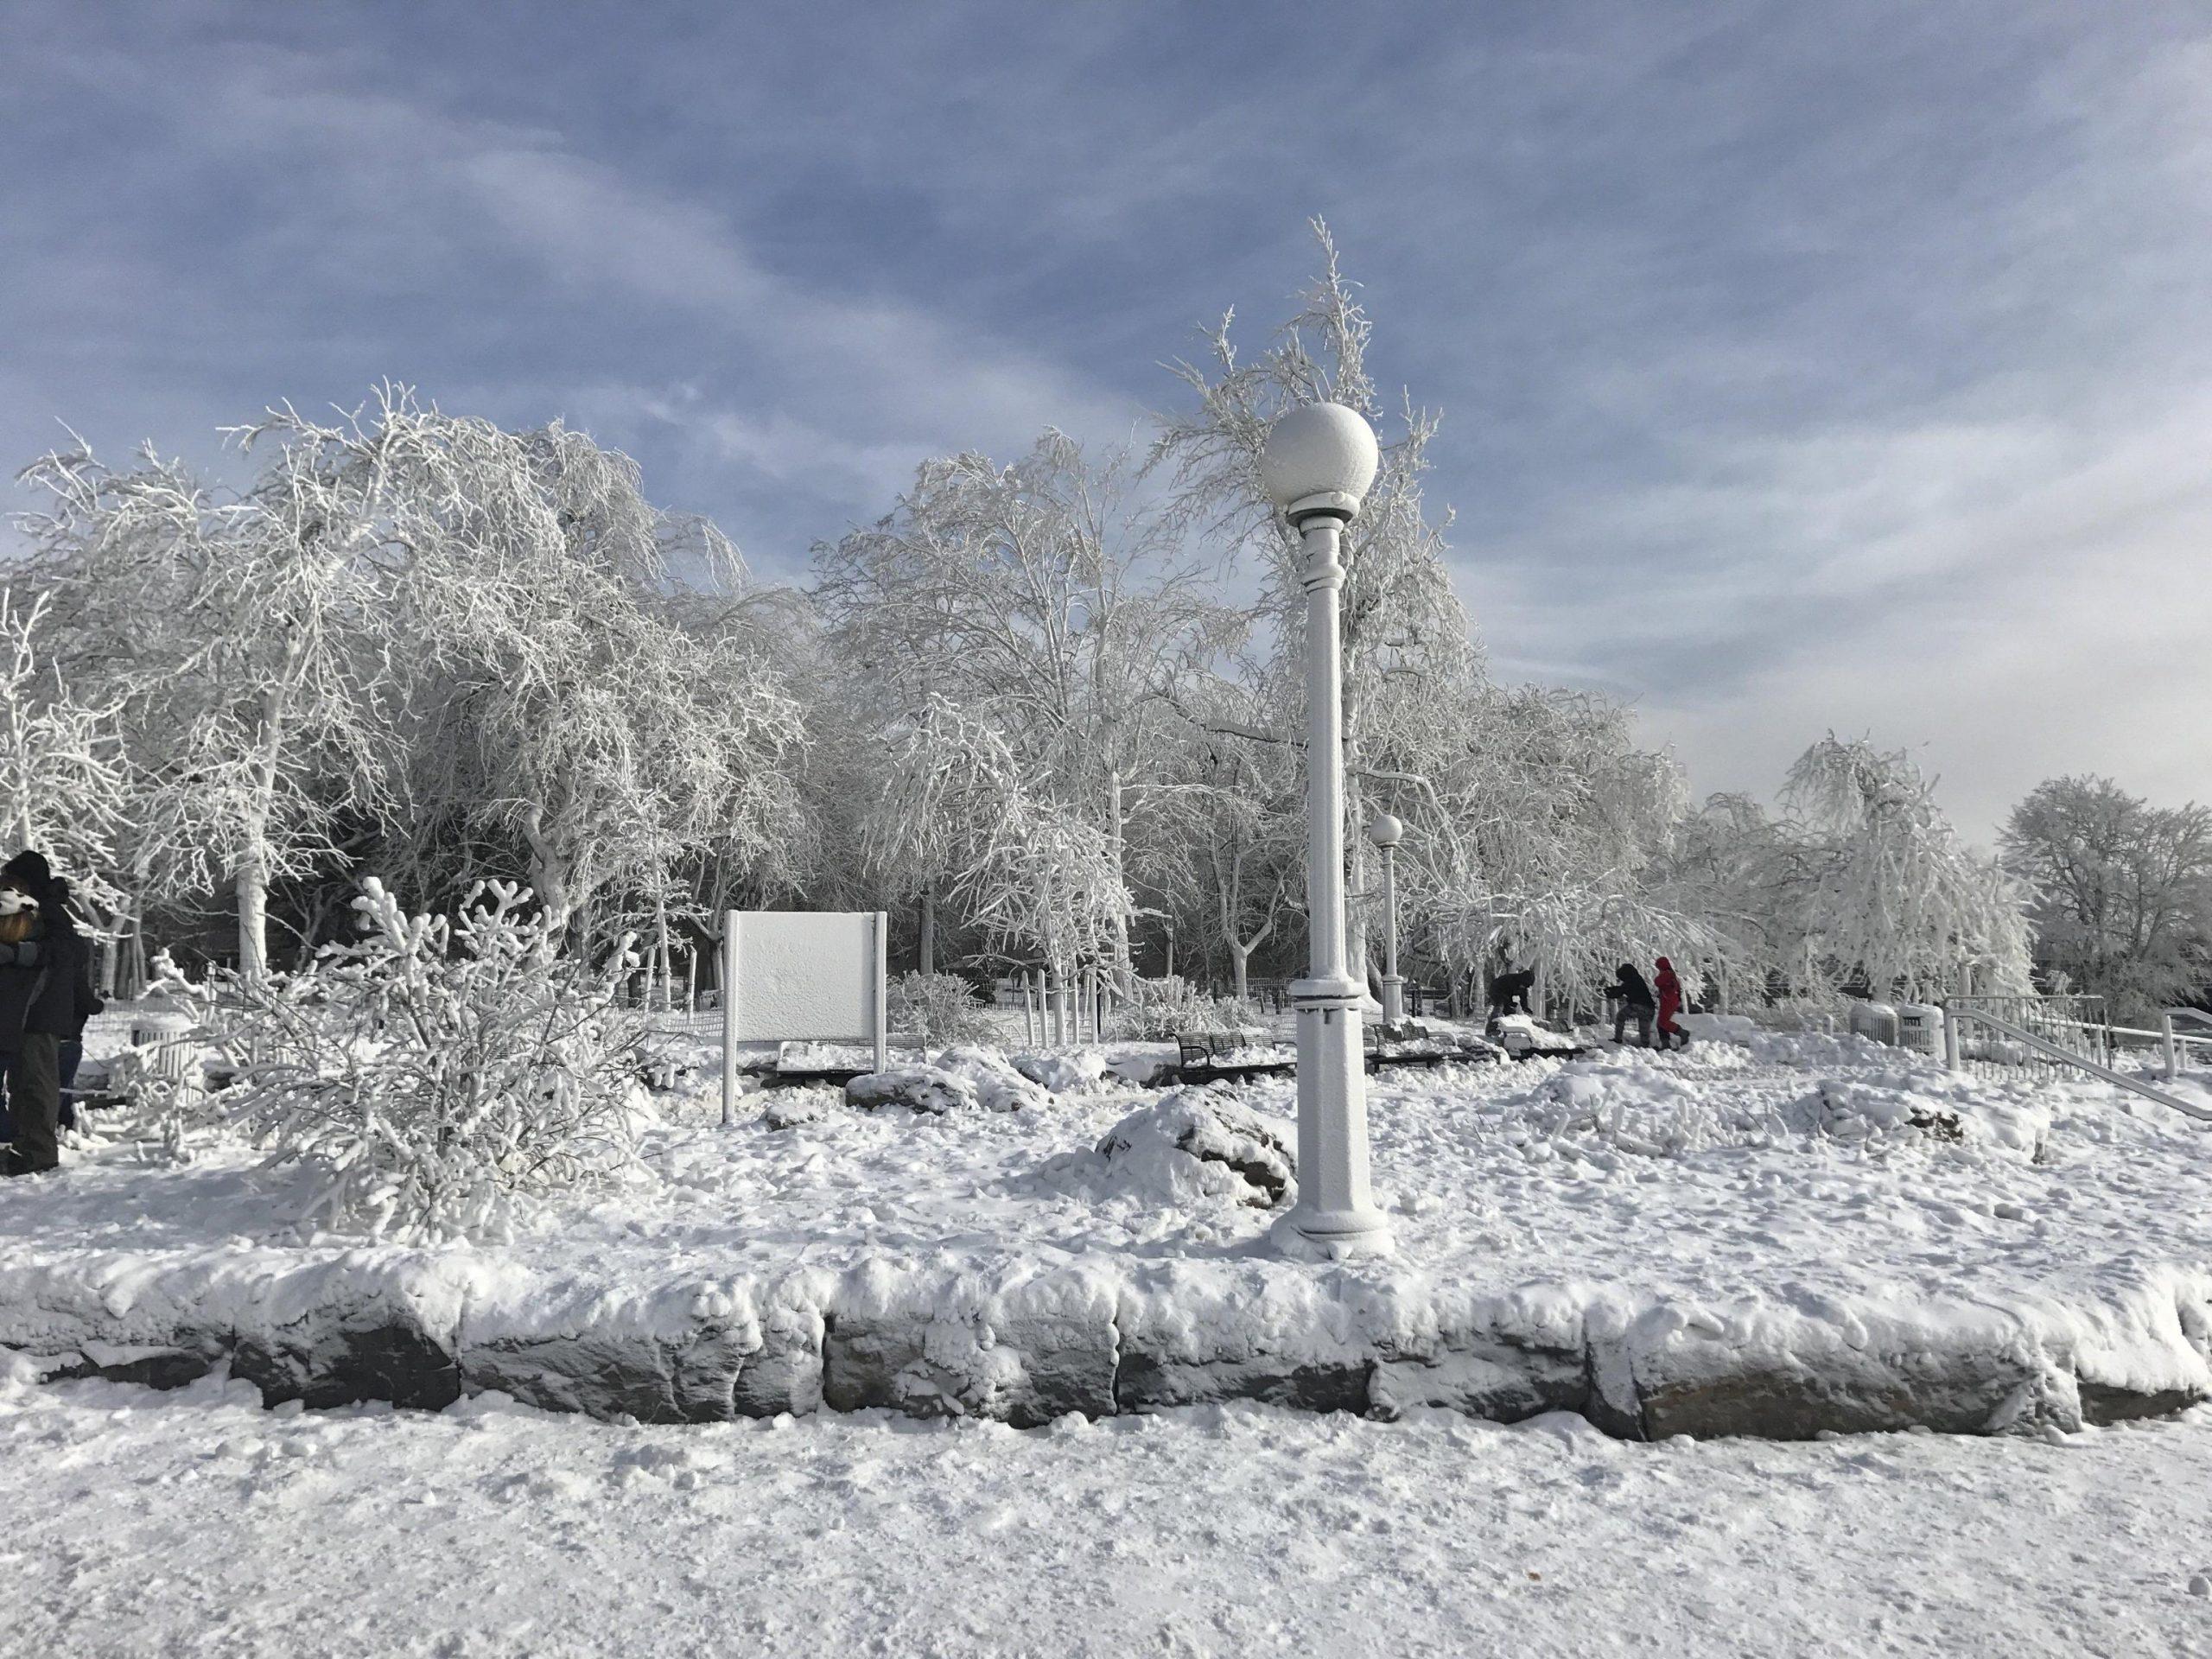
(1240, 958)
(252, 883)
(661, 948)
(550, 877)
(929, 930)
(1123, 970)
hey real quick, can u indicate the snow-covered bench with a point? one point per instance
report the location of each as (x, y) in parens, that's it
(1408, 1042)
(831, 1063)
(1525, 1037)
(1212, 1057)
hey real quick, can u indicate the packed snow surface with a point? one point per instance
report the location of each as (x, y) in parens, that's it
(197, 1523)
(1774, 1202)
(1790, 1166)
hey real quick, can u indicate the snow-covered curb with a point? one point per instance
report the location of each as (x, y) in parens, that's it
(1103, 1336)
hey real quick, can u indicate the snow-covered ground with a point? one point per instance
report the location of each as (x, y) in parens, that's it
(197, 1523)
(1793, 1198)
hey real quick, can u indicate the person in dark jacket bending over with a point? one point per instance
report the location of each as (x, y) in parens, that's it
(1510, 991)
(1633, 995)
(38, 1005)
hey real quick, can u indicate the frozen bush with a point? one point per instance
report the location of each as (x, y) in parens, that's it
(438, 1070)
(1160, 1010)
(938, 1008)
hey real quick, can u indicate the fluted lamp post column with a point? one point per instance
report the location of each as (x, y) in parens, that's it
(1318, 462)
(1386, 832)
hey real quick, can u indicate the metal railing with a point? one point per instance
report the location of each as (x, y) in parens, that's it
(1977, 1039)
(2068, 1029)
(2170, 1041)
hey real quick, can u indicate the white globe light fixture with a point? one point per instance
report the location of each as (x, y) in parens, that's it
(1317, 468)
(1386, 832)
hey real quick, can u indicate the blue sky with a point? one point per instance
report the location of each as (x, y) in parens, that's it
(1803, 366)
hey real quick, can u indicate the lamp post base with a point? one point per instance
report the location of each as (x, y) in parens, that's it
(1394, 998)
(1332, 1235)
(1334, 1215)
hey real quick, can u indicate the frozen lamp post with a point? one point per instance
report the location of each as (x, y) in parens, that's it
(1318, 462)
(1386, 832)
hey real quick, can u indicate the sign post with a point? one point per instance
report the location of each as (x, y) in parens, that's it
(802, 976)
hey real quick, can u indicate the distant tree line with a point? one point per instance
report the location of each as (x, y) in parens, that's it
(1046, 711)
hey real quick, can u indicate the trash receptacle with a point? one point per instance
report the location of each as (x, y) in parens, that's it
(1874, 1020)
(163, 1041)
(1920, 1029)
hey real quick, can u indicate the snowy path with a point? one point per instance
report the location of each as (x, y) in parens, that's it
(170, 1524)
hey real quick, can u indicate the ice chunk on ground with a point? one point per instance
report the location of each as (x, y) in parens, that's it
(1195, 1143)
(998, 1085)
(918, 1088)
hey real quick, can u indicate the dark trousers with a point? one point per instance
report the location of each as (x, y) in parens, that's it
(1639, 1012)
(35, 1099)
(71, 1055)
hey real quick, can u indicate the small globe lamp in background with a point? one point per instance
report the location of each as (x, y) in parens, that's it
(1386, 832)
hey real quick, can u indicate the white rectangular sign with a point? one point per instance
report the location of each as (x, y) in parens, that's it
(801, 976)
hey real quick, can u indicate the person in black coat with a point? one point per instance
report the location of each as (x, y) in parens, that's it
(1633, 997)
(86, 1004)
(38, 1008)
(1510, 991)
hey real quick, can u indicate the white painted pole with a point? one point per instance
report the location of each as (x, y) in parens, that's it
(880, 994)
(729, 1017)
(1318, 462)
(2173, 1054)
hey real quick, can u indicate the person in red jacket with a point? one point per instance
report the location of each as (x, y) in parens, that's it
(1670, 1004)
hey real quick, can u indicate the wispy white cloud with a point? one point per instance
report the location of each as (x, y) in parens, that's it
(1803, 365)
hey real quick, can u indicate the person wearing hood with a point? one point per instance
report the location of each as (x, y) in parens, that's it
(1632, 995)
(1670, 1004)
(39, 972)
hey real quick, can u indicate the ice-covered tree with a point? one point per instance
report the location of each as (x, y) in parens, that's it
(2123, 904)
(1036, 598)
(1030, 873)
(584, 694)
(1890, 896)
(64, 779)
(244, 639)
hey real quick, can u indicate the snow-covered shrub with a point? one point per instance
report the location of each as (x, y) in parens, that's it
(938, 1008)
(1196, 1144)
(1160, 1010)
(438, 1070)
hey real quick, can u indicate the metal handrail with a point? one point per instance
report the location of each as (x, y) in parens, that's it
(2173, 1040)
(2060, 1055)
